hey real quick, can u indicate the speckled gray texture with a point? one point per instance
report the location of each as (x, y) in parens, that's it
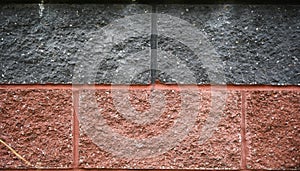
(257, 44)
(41, 44)
(253, 44)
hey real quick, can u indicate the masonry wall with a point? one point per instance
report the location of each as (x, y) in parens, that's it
(87, 86)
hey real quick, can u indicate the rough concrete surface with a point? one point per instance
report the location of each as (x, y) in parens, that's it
(253, 44)
(37, 125)
(256, 44)
(41, 43)
(221, 150)
(273, 131)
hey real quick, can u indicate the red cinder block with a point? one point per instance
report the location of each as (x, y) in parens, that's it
(37, 125)
(273, 130)
(222, 148)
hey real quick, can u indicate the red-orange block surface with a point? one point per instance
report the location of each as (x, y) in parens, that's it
(213, 140)
(273, 129)
(37, 125)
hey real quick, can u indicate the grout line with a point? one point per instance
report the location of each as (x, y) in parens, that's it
(75, 130)
(39, 169)
(243, 132)
(109, 169)
(157, 86)
(153, 40)
(42, 169)
(36, 86)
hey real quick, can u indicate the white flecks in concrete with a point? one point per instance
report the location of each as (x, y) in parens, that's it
(41, 7)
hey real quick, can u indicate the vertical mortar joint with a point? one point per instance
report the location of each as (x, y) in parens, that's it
(153, 43)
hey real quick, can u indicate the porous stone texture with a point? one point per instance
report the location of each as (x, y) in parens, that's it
(37, 125)
(216, 146)
(256, 44)
(241, 44)
(44, 43)
(273, 132)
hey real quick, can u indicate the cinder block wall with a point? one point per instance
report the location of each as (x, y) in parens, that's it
(240, 75)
